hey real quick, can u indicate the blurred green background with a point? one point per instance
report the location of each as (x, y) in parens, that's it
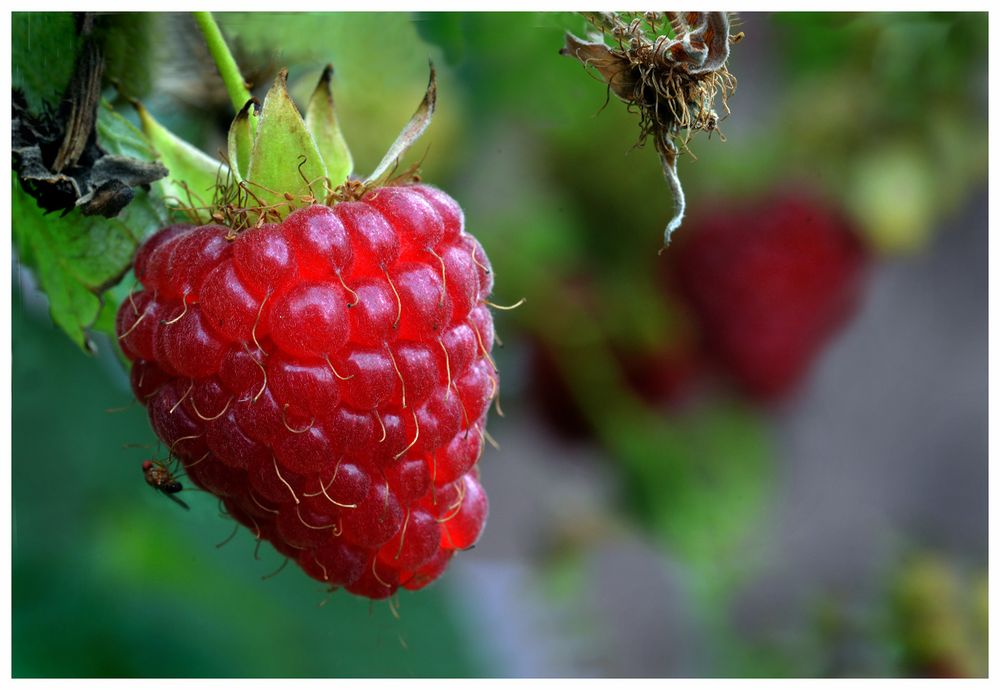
(604, 502)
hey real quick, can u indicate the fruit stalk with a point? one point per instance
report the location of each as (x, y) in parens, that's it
(236, 87)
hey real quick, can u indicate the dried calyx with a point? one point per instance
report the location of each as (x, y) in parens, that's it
(670, 66)
(57, 155)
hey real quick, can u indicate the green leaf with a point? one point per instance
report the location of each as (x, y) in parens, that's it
(76, 258)
(284, 159)
(119, 136)
(193, 174)
(105, 321)
(43, 56)
(321, 121)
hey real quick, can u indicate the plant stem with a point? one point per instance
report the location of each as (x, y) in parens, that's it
(228, 69)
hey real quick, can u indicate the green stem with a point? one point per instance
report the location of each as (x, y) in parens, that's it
(228, 69)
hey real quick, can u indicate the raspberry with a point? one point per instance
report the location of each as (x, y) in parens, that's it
(769, 283)
(327, 377)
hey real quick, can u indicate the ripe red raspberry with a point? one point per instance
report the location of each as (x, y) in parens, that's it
(328, 377)
(769, 283)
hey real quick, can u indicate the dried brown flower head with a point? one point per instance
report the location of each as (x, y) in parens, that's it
(669, 66)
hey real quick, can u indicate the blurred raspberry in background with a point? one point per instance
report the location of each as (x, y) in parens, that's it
(769, 282)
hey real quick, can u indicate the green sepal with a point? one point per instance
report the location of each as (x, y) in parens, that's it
(284, 160)
(416, 126)
(193, 174)
(321, 121)
(240, 140)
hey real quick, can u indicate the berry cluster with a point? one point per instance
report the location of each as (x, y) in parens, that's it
(328, 378)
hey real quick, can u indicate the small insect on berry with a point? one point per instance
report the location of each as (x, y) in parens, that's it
(159, 476)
